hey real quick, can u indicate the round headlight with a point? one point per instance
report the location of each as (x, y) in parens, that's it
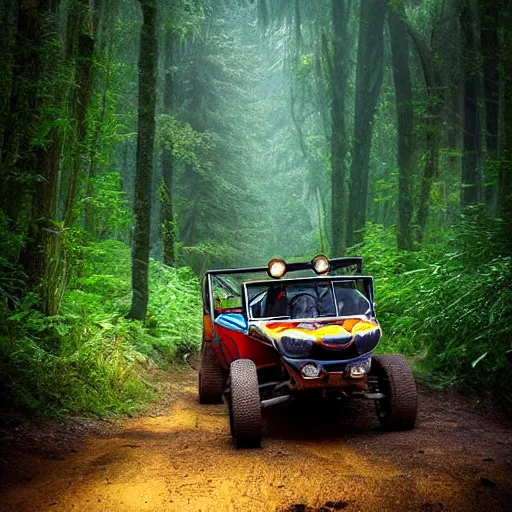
(310, 371)
(357, 371)
(320, 264)
(276, 268)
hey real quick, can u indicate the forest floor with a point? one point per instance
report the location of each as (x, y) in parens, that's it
(179, 457)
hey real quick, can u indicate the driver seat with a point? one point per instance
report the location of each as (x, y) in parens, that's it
(276, 303)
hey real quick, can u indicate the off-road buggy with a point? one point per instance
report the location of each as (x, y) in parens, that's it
(268, 338)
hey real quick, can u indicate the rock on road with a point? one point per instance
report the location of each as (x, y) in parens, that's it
(318, 459)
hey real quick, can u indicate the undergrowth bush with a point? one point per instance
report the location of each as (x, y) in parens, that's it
(449, 304)
(90, 359)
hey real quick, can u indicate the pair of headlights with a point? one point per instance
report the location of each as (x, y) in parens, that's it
(354, 370)
(277, 267)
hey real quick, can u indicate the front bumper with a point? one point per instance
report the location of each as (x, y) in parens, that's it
(331, 374)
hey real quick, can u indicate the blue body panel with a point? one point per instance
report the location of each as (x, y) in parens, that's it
(234, 321)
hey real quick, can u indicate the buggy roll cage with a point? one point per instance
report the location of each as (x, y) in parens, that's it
(334, 264)
(207, 282)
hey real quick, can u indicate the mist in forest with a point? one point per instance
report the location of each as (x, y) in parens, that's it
(293, 124)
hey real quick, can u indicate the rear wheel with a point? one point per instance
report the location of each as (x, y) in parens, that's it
(211, 378)
(245, 404)
(397, 411)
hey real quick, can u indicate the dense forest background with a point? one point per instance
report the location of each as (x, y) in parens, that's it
(142, 142)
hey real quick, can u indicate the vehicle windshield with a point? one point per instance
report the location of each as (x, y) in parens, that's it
(307, 299)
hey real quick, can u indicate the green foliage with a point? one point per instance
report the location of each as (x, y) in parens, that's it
(448, 305)
(109, 205)
(185, 144)
(209, 255)
(101, 290)
(184, 18)
(424, 14)
(90, 359)
(12, 278)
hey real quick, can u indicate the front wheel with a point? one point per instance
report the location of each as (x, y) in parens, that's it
(245, 404)
(397, 411)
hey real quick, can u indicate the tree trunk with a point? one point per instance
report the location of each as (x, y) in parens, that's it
(432, 137)
(404, 115)
(167, 223)
(8, 18)
(489, 23)
(34, 167)
(298, 33)
(368, 83)
(19, 164)
(83, 55)
(144, 160)
(471, 150)
(104, 42)
(505, 129)
(340, 12)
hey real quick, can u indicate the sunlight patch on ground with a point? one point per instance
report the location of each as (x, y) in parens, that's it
(183, 417)
(348, 461)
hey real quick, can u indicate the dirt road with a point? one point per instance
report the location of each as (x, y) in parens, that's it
(182, 459)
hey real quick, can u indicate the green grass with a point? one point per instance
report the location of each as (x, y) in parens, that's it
(90, 360)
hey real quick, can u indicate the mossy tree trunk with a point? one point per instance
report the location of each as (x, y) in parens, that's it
(432, 128)
(18, 159)
(33, 163)
(106, 14)
(82, 50)
(144, 160)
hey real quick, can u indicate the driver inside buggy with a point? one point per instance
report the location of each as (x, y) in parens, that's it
(312, 301)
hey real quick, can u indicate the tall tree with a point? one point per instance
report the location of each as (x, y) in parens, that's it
(338, 75)
(432, 130)
(369, 72)
(20, 166)
(148, 58)
(489, 13)
(404, 116)
(505, 132)
(104, 17)
(32, 144)
(82, 50)
(167, 223)
(471, 172)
